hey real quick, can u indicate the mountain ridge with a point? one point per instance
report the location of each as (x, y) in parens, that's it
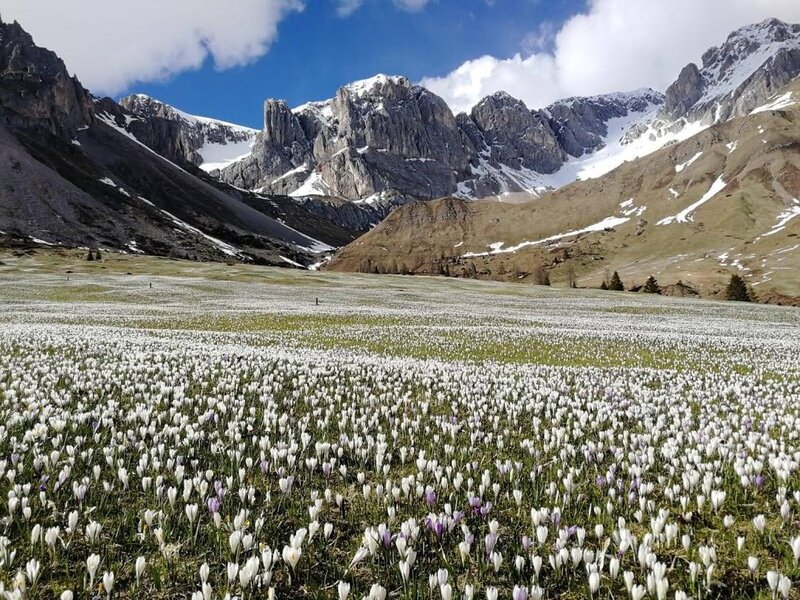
(73, 175)
(387, 141)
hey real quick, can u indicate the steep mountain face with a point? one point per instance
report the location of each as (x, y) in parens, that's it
(375, 136)
(735, 77)
(180, 137)
(36, 91)
(725, 201)
(582, 124)
(386, 138)
(516, 150)
(73, 174)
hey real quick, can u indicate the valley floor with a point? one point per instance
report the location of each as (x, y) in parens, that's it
(199, 428)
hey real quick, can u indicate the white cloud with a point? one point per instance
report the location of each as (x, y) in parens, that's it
(345, 8)
(110, 45)
(617, 45)
(411, 5)
(348, 7)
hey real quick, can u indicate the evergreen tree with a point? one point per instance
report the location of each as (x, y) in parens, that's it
(737, 290)
(97, 255)
(615, 285)
(604, 285)
(90, 256)
(651, 286)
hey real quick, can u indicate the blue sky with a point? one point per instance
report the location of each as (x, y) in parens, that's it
(317, 51)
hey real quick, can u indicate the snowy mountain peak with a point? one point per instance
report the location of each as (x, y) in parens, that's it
(749, 66)
(502, 99)
(767, 31)
(147, 106)
(639, 100)
(209, 143)
(385, 134)
(747, 48)
(375, 84)
(143, 105)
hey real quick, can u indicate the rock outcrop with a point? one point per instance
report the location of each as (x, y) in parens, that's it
(377, 135)
(36, 91)
(178, 136)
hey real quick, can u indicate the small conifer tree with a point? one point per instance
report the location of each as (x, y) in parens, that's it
(737, 290)
(615, 285)
(651, 286)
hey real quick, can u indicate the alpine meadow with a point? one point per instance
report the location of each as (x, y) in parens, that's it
(442, 336)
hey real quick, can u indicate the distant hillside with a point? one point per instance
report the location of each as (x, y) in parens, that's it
(724, 201)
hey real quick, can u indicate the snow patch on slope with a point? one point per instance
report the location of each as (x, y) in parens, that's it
(784, 218)
(686, 214)
(224, 247)
(782, 101)
(497, 248)
(688, 163)
(314, 185)
(622, 146)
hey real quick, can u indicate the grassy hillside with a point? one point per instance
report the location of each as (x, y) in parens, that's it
(718, 203)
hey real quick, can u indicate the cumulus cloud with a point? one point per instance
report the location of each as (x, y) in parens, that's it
(616, 45)
(110, 45)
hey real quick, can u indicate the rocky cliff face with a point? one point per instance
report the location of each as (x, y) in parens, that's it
(375, 136)
(581, 125)
(386, 137)
(36, 91)
(181, 137)
(515, 136)
(737, 76)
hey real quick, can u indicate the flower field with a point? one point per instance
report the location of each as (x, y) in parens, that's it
(253, 433)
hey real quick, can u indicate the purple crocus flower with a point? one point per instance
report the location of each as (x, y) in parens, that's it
(213, 505)
(438, 529)
(526, 543)
(430, 497)
(571, 531)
